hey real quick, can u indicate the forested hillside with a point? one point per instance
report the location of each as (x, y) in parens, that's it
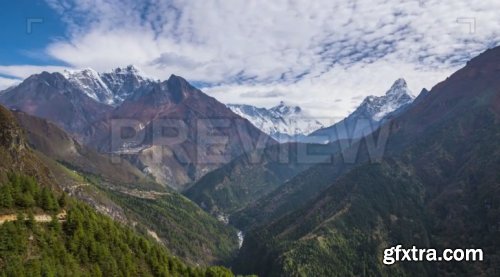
(437, 186)
(127, 195)
(80, 243)
(45, 232)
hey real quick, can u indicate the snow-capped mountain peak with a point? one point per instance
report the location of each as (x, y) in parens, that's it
(283, 122)
(112, 87)
(400, 87)
(90, 82)
(399, 83)
(377, 107)
(370, 114)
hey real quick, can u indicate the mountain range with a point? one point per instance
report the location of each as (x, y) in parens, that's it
(167, 129)
(282, 122)
(243, 183)
(287, 123)
(112, 152)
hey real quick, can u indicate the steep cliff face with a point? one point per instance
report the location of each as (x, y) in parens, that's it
(11, 137)
(15, 154)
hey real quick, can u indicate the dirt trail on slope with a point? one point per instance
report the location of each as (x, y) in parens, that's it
(38, 217)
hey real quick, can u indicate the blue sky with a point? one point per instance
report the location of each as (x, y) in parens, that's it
(324, 55)
(22, 45)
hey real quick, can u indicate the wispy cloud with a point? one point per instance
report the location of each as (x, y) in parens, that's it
(264, 94)
(311, 51)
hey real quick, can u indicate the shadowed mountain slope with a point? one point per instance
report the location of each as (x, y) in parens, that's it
(437, 186)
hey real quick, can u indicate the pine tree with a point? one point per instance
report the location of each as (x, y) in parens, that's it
(47, 201)
(6, 200)
(31, 220)
(62, 200)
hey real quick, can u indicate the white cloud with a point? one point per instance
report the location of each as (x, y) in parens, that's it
(321, 94)
(24, 71)
(311, 51)
(7, 82)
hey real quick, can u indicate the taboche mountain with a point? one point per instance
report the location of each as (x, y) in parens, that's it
(437, 186)
(172, 113)
(76, 240)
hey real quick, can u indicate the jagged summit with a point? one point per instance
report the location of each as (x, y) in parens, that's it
(377, 107)
(399, 87)
(85, 72)
(175, 80)
(399, 83)
(88, 71)
(129, 69)
(112, 87)
(284, 109)
(369, 114)
(115, 86)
